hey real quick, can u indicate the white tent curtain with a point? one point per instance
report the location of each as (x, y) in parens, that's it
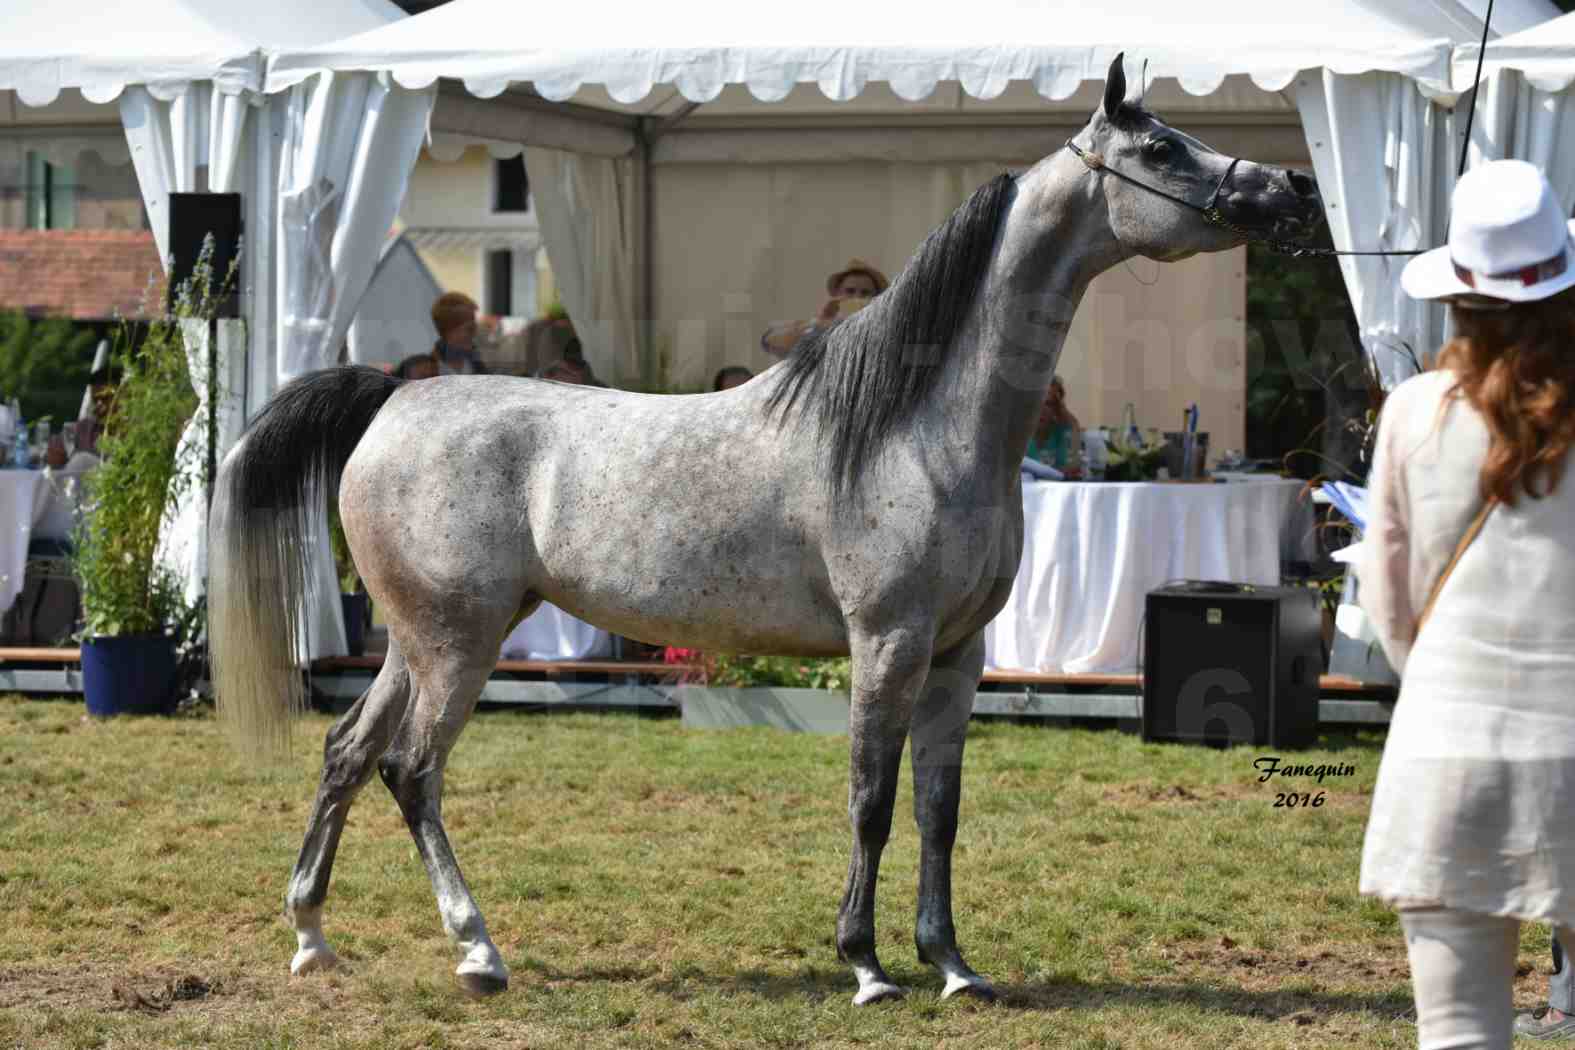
(1381, 151)
(351, 140)
(174, 143)
(586, 226)
(1516, 120)
(349, 143)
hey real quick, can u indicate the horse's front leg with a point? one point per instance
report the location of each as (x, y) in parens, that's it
(940, 723)
(887, 671)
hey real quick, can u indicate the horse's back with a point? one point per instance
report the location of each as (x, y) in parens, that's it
(663, 518)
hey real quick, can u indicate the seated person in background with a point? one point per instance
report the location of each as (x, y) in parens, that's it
(454, 317)
(857, 282)
(562, 372)
(731, 376)
(574, 357)
(85, 457)
(1053, 440)
(419, 366)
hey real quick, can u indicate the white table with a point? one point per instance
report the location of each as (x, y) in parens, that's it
(20, 509)
(549, 633)
(1093, 551)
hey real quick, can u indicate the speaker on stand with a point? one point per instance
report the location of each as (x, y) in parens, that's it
(1229, 663)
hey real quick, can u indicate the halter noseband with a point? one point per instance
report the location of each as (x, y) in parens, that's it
(1209, 209)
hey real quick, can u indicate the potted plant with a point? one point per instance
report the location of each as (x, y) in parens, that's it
(135, 616)
(789, 692)
(1128, 461)
(357, 604)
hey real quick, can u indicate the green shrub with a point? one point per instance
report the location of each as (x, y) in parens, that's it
(45, 364)
(125, 591)
(786, 672)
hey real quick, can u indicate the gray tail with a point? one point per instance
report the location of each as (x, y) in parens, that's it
(271, 487)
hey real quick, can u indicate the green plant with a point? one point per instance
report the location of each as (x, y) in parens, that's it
(344, 562)
(787, 672)
(125, 590)
(44, 364)
(1133, 462)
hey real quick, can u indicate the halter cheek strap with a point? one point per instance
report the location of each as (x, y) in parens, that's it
(1210, 209)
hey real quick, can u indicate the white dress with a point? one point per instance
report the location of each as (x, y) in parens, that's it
(1474, 807)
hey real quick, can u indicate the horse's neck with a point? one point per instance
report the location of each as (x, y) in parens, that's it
(1054, 241)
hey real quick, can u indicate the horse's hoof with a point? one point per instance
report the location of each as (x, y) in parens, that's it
(972, 985)
(481, 985)
(311, 960)
(876, 991)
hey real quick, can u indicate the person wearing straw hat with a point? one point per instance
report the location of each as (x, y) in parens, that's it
(1467, 571)
(847, 290)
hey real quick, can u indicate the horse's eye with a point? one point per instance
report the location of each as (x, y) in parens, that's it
(1157, 147)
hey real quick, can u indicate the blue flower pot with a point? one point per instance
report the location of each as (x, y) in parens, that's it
(356, 610)
(129, 676)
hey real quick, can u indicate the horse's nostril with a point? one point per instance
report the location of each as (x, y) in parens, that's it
(1302, 185)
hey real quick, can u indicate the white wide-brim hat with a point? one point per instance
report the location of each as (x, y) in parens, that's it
(1508, 239)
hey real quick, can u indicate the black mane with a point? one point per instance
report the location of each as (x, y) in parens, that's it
(867, 375)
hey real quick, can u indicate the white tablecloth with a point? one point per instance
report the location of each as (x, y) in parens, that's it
(1093, 551)
(20, 508)
(549, 633)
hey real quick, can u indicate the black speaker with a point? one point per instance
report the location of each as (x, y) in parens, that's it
(192, 217)
(1228, 663)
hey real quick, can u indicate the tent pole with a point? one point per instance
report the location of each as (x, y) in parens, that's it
(647, 264)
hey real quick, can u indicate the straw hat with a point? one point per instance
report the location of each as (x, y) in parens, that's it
(856, 265)
(1508, 240)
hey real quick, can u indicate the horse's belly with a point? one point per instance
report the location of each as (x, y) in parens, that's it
(702, 610)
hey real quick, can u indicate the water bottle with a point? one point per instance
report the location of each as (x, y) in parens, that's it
(20, 453)
(1095, 453)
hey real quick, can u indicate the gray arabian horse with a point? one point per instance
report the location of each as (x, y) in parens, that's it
(862, 497)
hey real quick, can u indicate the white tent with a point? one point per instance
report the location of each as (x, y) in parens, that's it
(606, 82)
(162, 45)
(395, 315)
(321, 170)
(630, 48)
(1527, 106)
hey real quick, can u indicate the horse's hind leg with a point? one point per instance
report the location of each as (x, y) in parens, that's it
(940, 722)
(350, 754)
(448, 683)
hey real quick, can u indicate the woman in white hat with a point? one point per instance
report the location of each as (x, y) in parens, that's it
(1468, 575)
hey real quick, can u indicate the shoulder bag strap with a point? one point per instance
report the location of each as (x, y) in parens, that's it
(1460, 549)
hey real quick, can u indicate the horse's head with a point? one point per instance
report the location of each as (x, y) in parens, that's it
(1170, 196)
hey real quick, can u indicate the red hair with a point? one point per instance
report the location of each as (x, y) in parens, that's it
(1517, 368)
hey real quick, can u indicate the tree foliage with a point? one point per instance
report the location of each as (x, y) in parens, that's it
(44, 364)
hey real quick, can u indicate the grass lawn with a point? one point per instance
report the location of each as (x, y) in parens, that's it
(652, 886)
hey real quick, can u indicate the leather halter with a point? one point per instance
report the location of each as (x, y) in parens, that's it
(1210, 209)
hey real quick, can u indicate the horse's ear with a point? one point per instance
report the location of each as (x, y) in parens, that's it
(1115, 88)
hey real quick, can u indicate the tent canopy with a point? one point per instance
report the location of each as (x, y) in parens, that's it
(163, 44)
(630, 47)
(1544, 54)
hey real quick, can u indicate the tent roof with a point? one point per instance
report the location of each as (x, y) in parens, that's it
(630, 46)
(1545, 54)
(164, 44)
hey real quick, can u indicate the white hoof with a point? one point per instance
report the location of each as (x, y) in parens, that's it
(876, 991)
(970, 984)
(312, 959)
(482, 973)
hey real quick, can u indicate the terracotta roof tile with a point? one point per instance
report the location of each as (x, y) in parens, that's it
(87, 275)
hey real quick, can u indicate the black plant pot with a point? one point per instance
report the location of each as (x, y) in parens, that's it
(133, 675)
(356, 608)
